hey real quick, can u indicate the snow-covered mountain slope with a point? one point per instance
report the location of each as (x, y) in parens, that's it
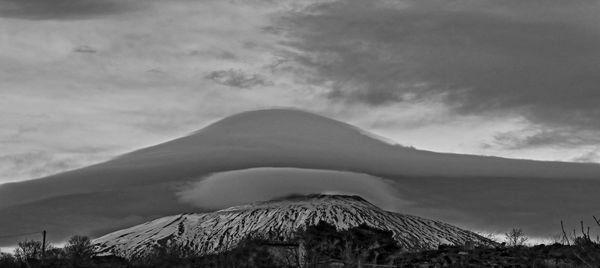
(278, 220)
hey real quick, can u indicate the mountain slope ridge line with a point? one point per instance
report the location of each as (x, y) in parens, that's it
(278, 221)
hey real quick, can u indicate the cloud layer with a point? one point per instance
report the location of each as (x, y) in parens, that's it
(226, 189)
(537, 59)
(83, 81)
(237, 78)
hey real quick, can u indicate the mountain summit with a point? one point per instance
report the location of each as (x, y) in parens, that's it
(278, 221)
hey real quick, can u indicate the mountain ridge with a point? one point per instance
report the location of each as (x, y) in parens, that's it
(281, 221)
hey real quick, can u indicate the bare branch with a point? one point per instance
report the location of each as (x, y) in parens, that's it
(566, 238)
(583, 230)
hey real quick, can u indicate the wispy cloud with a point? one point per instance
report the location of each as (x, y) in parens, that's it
(542, 137)
(15, 167)
(589, 157)
(237, 78)
(85, 49)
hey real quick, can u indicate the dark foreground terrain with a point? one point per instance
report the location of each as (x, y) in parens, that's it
(319, 246)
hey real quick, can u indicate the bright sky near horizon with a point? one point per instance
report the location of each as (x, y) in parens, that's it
(82, 81)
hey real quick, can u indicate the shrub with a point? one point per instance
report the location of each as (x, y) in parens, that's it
(8, 261)
(29, 250)
(516, 237)
(79, 250)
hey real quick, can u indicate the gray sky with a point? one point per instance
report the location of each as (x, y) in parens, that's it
(82, 81)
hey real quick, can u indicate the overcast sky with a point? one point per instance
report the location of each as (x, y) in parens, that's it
(82, 81)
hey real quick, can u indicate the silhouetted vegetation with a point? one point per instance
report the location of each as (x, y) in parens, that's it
(8, 261)
(516, 237)
(354, 247)
(77, 253)
(29, 250)
(585, 249)
(318, 246)
(322, 246)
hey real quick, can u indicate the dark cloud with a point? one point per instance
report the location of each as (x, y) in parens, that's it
(218, 54)
(539, 59)
(87, 213)
(156, 71)
(476, 203)
(61, 9)
(237, 78)
(85, 49)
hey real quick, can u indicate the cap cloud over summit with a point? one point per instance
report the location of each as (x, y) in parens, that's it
(278, 148)
(238, 187)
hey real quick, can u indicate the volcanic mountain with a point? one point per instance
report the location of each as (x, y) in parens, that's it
(489, 193)
(280, 221)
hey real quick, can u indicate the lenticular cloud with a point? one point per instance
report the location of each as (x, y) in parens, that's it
(237, 187)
